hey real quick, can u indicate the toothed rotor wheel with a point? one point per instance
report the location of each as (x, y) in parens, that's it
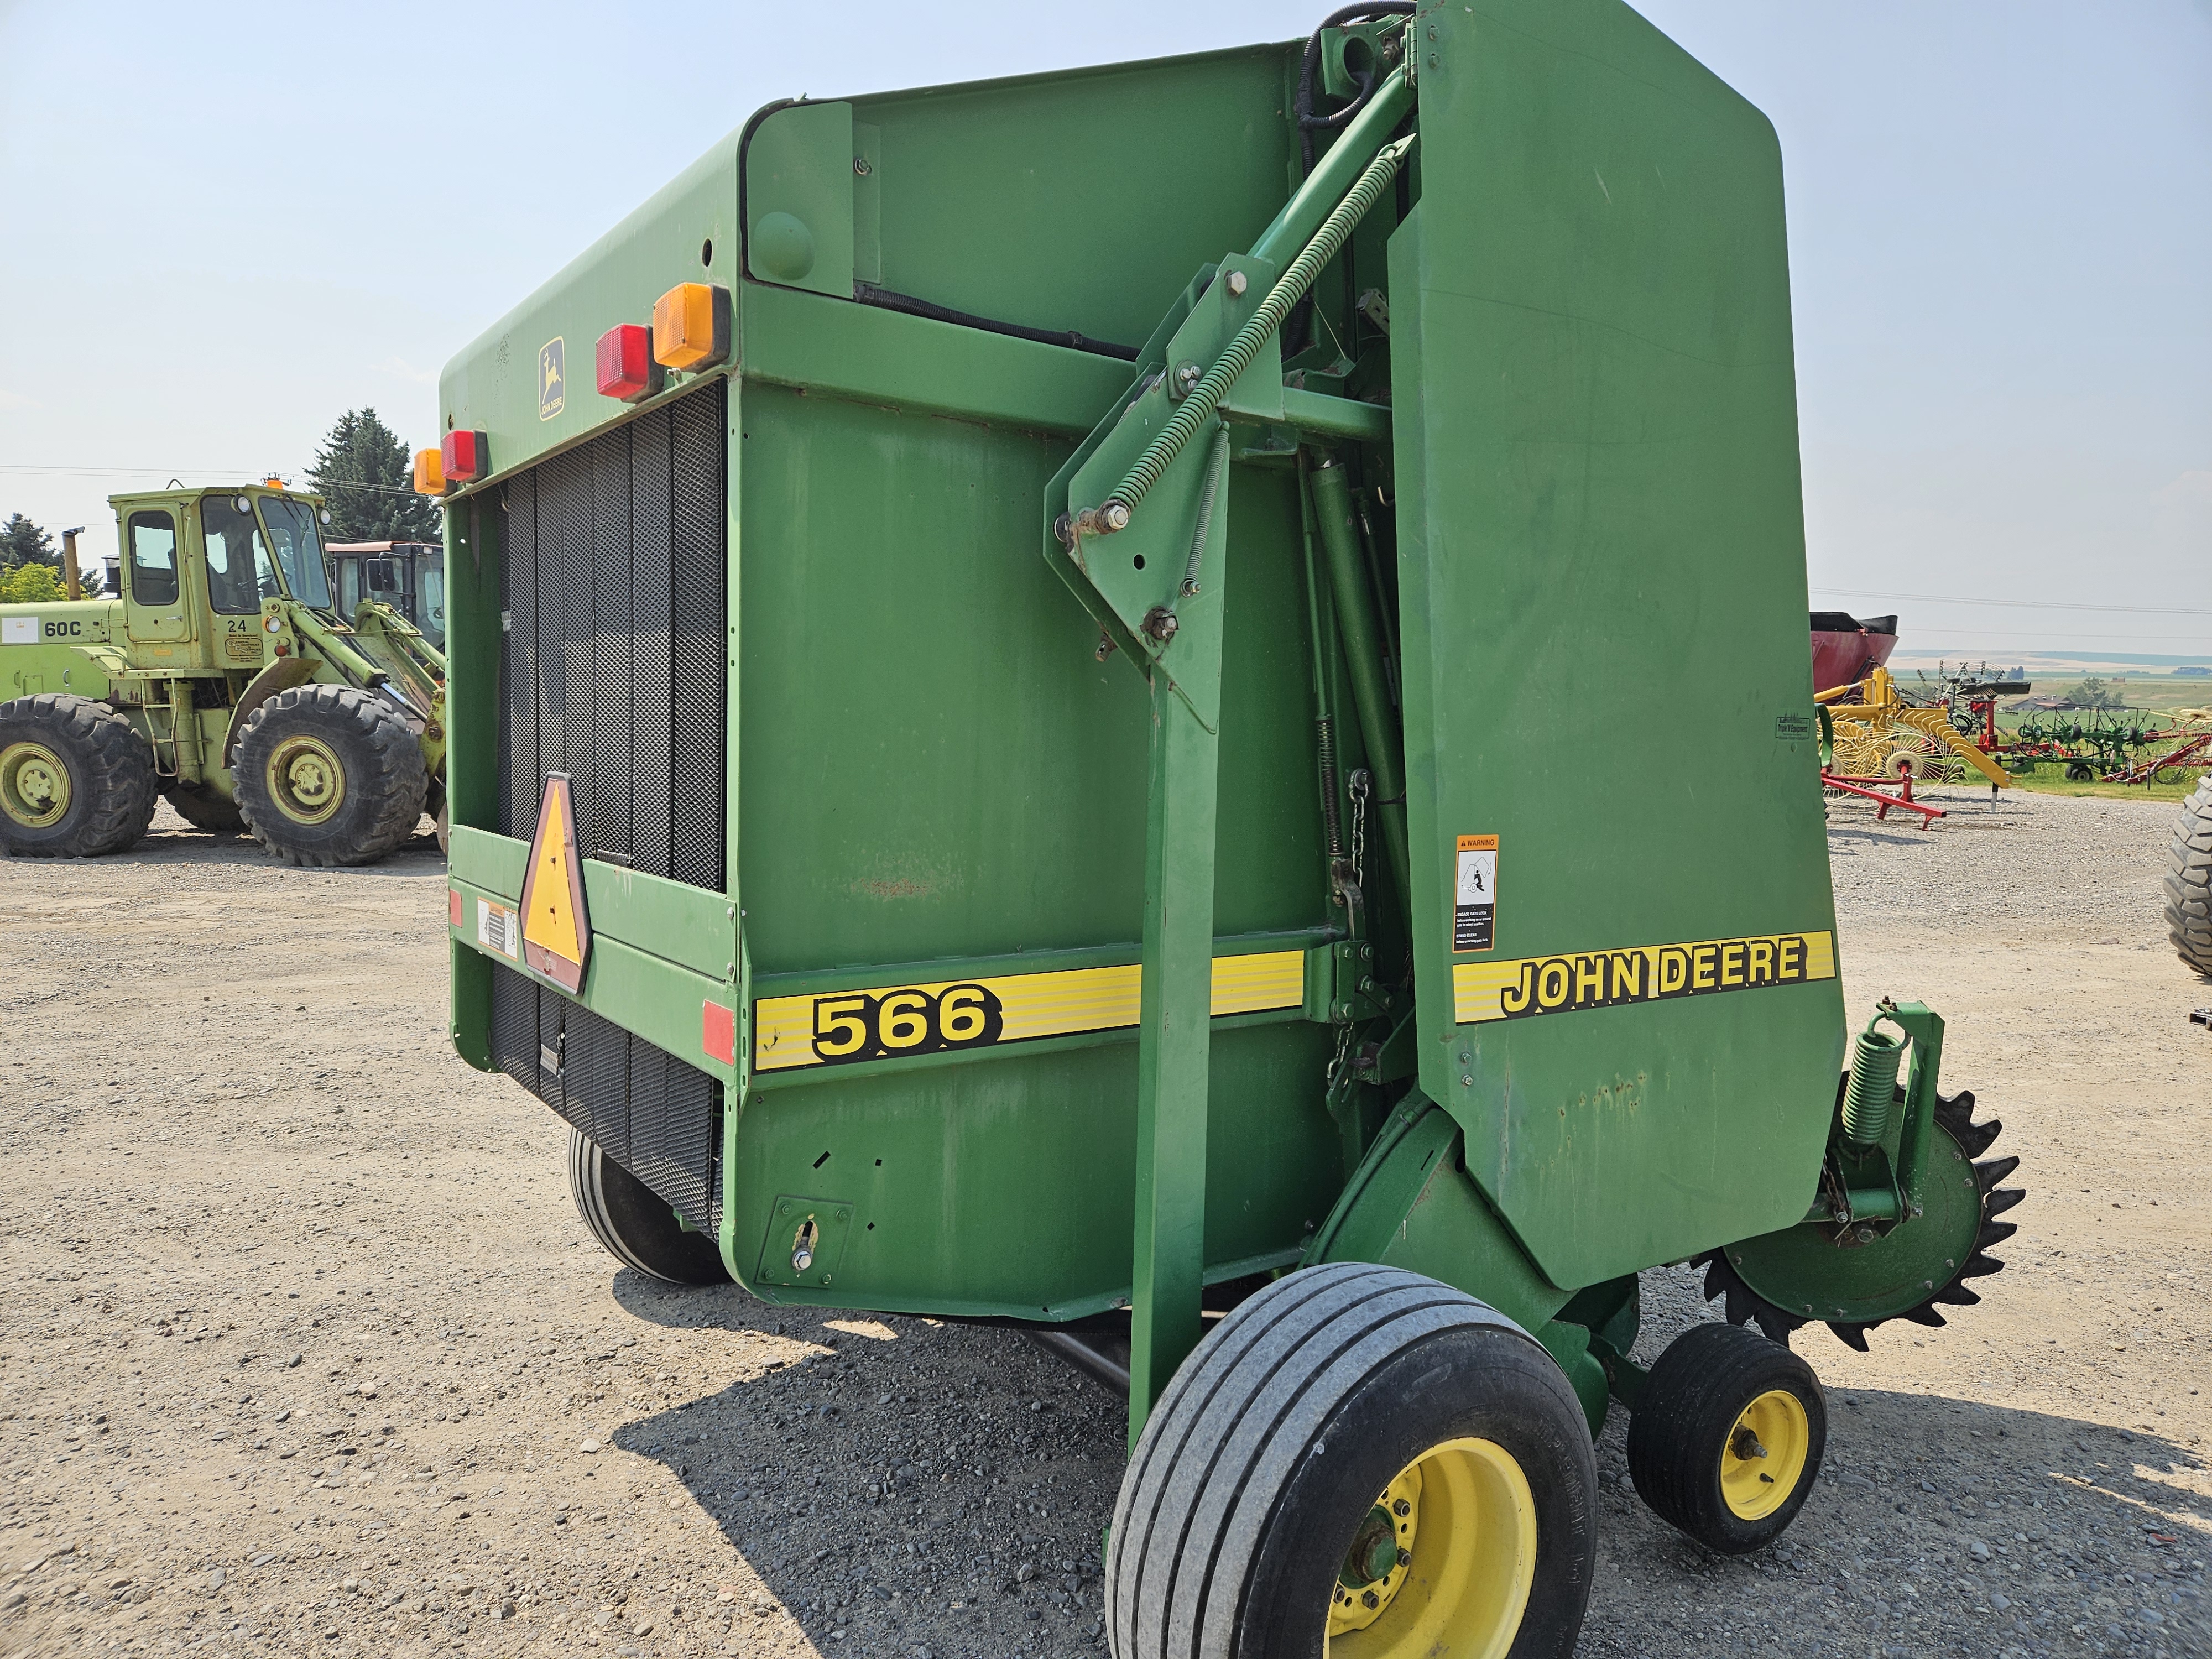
(1855, 1279)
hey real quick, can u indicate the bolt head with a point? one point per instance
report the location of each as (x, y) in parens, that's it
(1370, 1599)
(1402, 1509)
(1238, 283)
(1115, 515)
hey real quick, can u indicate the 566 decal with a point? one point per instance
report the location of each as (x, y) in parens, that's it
(883, 1025)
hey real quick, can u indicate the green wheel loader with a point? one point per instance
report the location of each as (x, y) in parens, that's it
(1016, 650)
(221, 675)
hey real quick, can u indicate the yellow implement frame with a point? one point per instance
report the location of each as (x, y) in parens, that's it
(1866, 730)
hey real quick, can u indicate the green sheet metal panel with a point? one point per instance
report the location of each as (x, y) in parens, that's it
(1082, 200)
(686, 232)
(933, 766)
(1602, 595)
(799, 167)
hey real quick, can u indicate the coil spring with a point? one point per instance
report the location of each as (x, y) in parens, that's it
(1332, 822)
(1875, 1060)
(1198, 406)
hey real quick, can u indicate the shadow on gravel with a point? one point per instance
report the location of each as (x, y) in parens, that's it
(1843, 841)
(1940, 1526)
(898, 1484)
(922, 1485)
(418, 859)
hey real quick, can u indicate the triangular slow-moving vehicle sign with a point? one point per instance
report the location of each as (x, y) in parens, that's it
(557, 929)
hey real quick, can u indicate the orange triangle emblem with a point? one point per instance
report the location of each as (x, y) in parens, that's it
(557, 929)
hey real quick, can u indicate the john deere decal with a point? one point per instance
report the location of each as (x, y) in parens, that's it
(1640, 973)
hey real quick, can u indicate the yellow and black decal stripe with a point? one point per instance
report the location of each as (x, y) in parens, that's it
(1641, 973)
(889, 1022)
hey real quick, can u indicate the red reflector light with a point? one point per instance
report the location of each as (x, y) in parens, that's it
(453, 905)
(627, 370)
(718, 1032)
(464, 456)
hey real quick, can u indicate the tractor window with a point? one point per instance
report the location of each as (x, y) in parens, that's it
(433, 619)
(239, 572)
(153, 558)
(349, 586)
(299, 549)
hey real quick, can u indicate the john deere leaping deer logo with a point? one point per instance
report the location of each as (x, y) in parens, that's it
(552, 378)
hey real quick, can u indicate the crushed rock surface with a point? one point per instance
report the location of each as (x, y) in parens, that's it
(303, 1348)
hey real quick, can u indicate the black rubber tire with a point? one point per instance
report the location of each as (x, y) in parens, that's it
(2189, 881)
(1269, 1447)
(1681, 1426)
(635, 1225)
(2078, 772)
(111, 770)
(386, 780)
(204, 810)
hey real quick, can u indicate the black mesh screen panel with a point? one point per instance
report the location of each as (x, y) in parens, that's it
(653, 540)
(614, 565)
(653, 1115)
(615, 562)
(515, 1027)
(697, 611)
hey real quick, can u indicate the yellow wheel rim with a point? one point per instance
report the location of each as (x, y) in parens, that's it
(306, 780)
(1765, 1457)
(1442, 1561)
(34, 784)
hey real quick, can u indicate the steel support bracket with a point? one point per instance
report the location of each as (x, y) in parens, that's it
(1917, 1136)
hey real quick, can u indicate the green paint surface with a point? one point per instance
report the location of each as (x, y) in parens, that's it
(1574, 447)
(1600, 522)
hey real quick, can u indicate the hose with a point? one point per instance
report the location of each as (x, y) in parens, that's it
(1297, 332)
(1309, 123)
(1197, 407)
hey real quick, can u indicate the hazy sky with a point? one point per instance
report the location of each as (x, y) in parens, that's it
(220, 226)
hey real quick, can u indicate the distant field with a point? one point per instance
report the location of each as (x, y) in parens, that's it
(2051, 781)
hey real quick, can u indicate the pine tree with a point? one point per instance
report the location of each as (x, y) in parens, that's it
(362, 471)
(24, 543)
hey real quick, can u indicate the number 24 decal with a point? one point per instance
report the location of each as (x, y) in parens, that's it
(859, 1026)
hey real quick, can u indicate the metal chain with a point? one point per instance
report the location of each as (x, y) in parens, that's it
(1361, 788)
(1340, 1059)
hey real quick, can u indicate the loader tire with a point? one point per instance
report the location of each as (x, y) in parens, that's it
(2189, 881)
(635, 1225)
(1356, 1461)
(204, 810)
(76, 779)
(1725, 1441)
(325, 774)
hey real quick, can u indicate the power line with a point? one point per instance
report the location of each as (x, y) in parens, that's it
(2037, 604)
(2189, 640)
(225, 473)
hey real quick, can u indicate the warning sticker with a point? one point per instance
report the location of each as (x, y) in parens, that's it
(1475, 897)
(499, 929)
(19, 630)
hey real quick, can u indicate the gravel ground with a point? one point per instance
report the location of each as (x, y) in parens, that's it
(304, 1349)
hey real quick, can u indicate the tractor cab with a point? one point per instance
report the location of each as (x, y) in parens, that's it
(408, 576)
(197, 566)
